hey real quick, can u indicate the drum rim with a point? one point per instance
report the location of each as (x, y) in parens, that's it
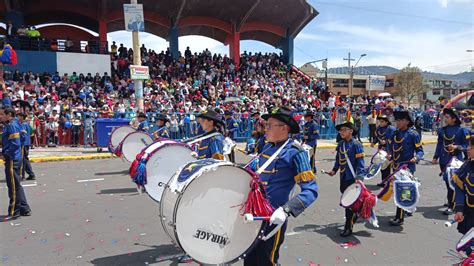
(129, 134)
(115, 129)
(355, 185)
(460, 248)
(257, 240)
(153, 153)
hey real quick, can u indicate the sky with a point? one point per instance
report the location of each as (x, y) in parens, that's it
(430, 34)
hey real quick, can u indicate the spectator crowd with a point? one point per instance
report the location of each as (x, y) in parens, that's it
(62, 108)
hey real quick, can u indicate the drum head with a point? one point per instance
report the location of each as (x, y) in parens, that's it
(119, 134)
(465, 241)
(350, 195)
(163, 164)
(209, 224)
(134, 143)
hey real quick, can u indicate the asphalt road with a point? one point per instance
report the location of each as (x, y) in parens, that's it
(89, 212)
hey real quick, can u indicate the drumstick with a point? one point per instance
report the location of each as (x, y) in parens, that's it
(324, 172)
(248, 217)
(449, 223)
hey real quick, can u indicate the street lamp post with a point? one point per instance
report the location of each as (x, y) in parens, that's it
(351, 75)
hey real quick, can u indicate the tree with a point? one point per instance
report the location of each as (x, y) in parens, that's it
(410, 83)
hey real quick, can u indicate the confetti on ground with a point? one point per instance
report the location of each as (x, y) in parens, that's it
(44, 241)
(32, 231)
(79, 257)
(299, 259)
(128, 229)
(114, 242)
(67, 234)
(143, 234)
(88, 220)
(374, 254)
(60, 189)
(348, 244)
(59, 248)
(346, 260)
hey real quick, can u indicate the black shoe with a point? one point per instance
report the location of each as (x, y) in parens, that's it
(346, 233)
(445, 205)
(448, 211)
(31, 178)
(395, 222)
(409, 214)
(27, 213)
(12, 217)
(381, 185)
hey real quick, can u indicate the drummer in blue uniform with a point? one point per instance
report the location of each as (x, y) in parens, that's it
(26, 142)
(350, 163)
(232, 128)
(464, 180)
(452, 140)
(213, 146)
(404, 148)
(382, 134)
(311, 135)
(143, 123)
(290, 166)
(11, 153)
(162, 131)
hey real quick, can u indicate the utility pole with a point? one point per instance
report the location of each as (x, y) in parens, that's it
(351, 73)
(138, 84)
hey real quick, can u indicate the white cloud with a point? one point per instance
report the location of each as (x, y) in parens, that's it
(445, 3)
(430, 50)
(311, 37)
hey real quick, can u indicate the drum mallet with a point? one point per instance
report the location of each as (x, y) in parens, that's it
(248, 217)
(449, 223)
(324, 172)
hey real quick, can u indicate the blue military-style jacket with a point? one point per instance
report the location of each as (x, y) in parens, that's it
(25, 134)
(354, 151)
(212, 147)
(447, 135)
(464, 180)
(143, 126)
(162, 132)
(383, 134)
(311, 131)
(11, 140)
(404, 146)
(290, 167)
(233, 127)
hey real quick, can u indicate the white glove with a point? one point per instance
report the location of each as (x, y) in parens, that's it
(279, 216)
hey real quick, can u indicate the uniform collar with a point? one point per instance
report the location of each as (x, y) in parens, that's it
(278, 143)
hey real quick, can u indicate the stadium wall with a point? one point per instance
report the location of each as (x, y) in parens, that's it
(39, 62)
(83, 63)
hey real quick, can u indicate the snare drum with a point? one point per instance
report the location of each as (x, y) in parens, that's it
(134, 143)
(161, 160)
(356, 196)
(200, 210)
(117, 135)
(466, 241)
(453, 165)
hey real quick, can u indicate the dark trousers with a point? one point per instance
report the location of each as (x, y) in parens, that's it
(386, 172)
(75, 135)
(18, 203)
(26, 165)
(313, 158)
(267, 252)
(232, 156)
(450, 199)
(351, 217)
(372, 128)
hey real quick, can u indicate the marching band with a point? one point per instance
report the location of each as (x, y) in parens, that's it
(279, 164)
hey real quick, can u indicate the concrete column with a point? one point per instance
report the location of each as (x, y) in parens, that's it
(234, 47)
(173, 40)
(103, 36)
(288, 49)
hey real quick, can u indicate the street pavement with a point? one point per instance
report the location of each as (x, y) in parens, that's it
(89, 212)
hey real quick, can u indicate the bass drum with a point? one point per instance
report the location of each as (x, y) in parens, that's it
(164, 159)
(134, 143)
(200, 210)
(117, 135)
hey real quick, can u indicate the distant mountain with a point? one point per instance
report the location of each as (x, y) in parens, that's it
(464, 77)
